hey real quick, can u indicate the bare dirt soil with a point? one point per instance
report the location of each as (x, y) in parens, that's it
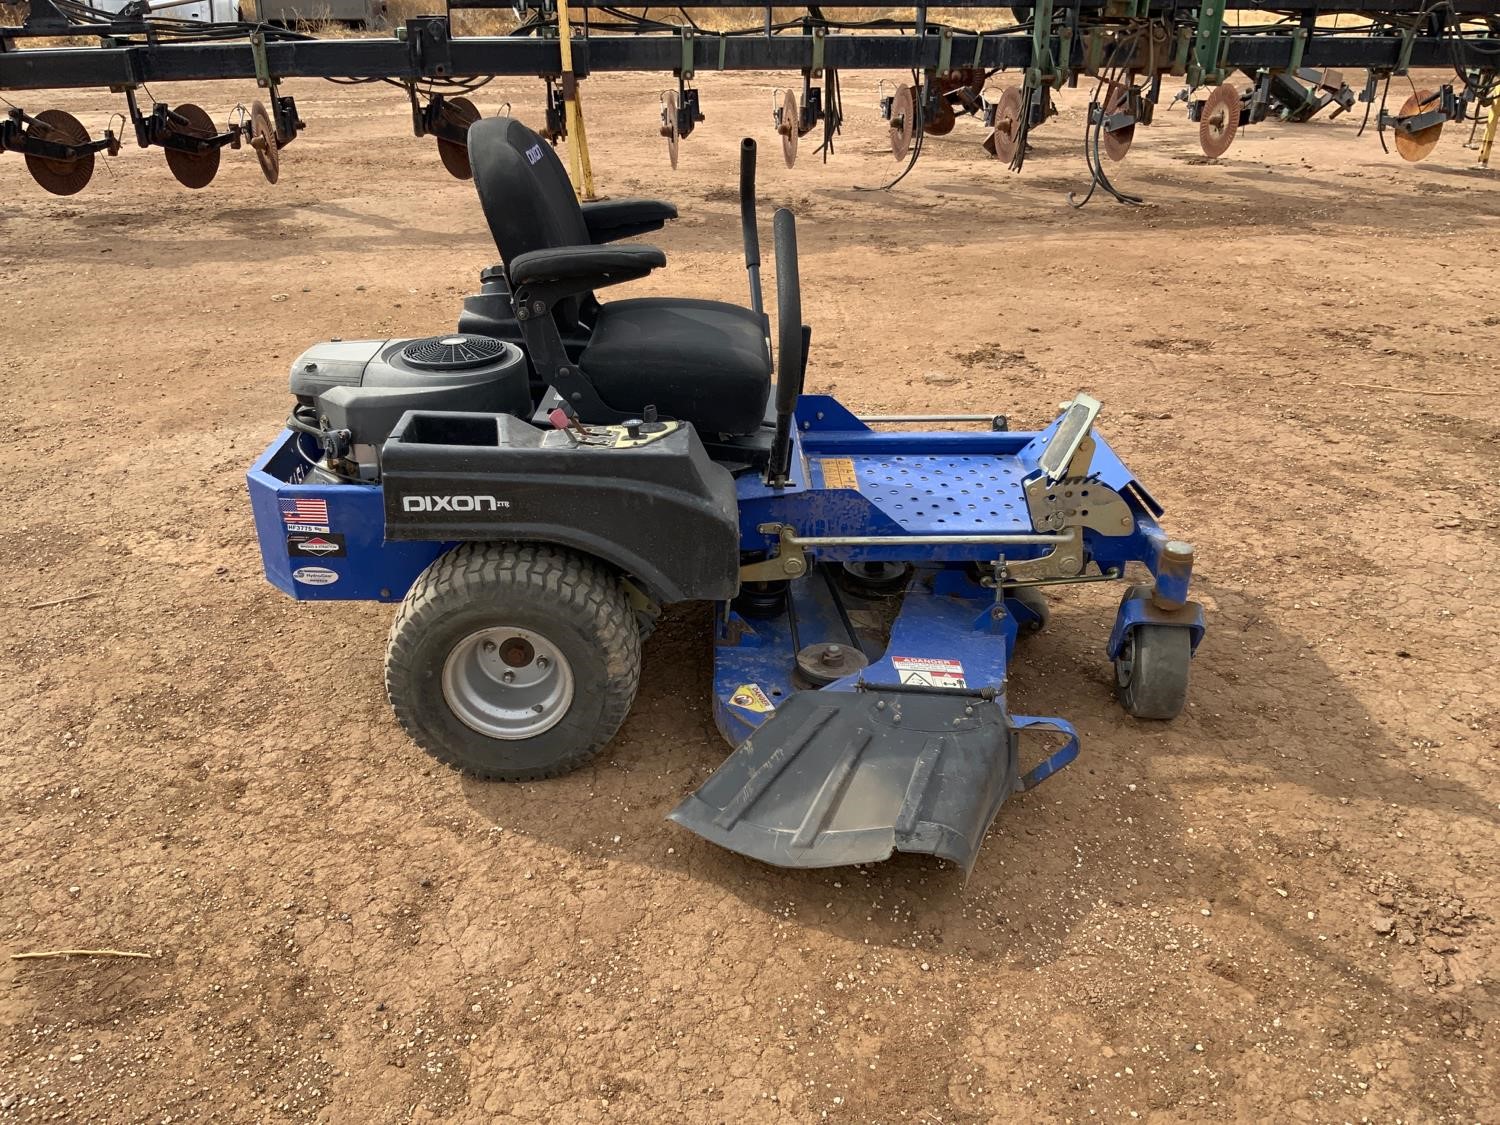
(1281, 906)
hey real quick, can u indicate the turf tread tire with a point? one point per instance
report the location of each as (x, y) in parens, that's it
(1157, 686)
(575, 589)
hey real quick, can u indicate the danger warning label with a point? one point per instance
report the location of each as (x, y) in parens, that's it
(919, 671)
(752, 697)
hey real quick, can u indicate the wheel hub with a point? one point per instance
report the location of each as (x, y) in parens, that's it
(507, 682)
(1125, 662)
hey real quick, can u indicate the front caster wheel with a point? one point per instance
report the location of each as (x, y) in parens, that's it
(513, 661)
(1034, 610)
(1151, 672)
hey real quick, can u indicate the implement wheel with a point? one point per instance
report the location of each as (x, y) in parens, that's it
(513, 661)
(1151, 672)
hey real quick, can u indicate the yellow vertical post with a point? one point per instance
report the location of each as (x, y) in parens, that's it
(582, 172)
(1490, 128)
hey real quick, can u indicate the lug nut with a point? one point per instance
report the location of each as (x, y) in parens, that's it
(509, 677)
(541, 662)
(489, 648)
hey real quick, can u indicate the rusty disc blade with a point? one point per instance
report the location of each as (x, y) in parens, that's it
(60, 177)
(941, 123)
(1116, 144)
(669, 126)
(1414, 146)
(1220, 120)
(791, 118)
(192, 169)
(263, 141)
(1007, 133)
(903, 124)
(462, 113)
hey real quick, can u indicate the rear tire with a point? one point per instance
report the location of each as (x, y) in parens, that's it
(513, 661)
(1151, 672)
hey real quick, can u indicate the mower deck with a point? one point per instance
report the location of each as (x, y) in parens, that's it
(912, 750)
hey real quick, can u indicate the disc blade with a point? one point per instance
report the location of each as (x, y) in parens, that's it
(669, 126)
(192, 169)
(60, 177)
(790, 119)
(903, 125)
(1415, 146)
(263, 141)
(1220, 120)
(459, 113)
(942, 120)
(1116, 144)
(1007, 131)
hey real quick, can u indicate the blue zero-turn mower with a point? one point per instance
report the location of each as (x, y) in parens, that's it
(534, 487)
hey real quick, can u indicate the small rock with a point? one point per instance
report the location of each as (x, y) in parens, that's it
(1383, 926)
(925, 966)
(278, 297)
(75, 1058)
(939, 379)
(1441, 945)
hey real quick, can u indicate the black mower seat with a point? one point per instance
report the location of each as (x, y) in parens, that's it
(703, 361)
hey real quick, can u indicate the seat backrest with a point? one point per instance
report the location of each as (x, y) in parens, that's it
(527, 197)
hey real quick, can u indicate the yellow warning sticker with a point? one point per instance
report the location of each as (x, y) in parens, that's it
(838, 472)
(752, 698)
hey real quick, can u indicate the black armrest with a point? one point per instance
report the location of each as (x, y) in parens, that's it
(567, 270)
(612, 219)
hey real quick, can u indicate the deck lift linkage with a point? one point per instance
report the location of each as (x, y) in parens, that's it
(1293, 66)
(534, 487)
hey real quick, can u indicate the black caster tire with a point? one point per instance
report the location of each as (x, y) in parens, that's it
(1151, 672)
(513, 661)
(1034, 600)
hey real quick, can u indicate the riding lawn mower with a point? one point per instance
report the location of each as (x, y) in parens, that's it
(534, 487)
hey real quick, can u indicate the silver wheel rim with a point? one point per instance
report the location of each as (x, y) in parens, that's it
(1125, 662)
(508, 683)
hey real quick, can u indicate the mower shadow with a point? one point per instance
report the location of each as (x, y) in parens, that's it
(1124, 825)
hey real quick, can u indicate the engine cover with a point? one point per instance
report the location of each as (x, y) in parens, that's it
(364, 386)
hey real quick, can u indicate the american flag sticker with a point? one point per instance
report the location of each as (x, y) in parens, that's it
(301, 512)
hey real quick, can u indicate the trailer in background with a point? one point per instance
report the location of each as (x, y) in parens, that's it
(356, 13)
(200, 11)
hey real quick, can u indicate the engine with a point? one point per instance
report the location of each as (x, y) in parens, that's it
(351, 393)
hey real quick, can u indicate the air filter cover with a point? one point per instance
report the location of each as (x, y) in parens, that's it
(458, 352)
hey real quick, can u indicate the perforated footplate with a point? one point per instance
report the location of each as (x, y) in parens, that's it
(930, 495)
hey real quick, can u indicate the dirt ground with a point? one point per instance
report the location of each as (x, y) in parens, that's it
(1281, 906)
